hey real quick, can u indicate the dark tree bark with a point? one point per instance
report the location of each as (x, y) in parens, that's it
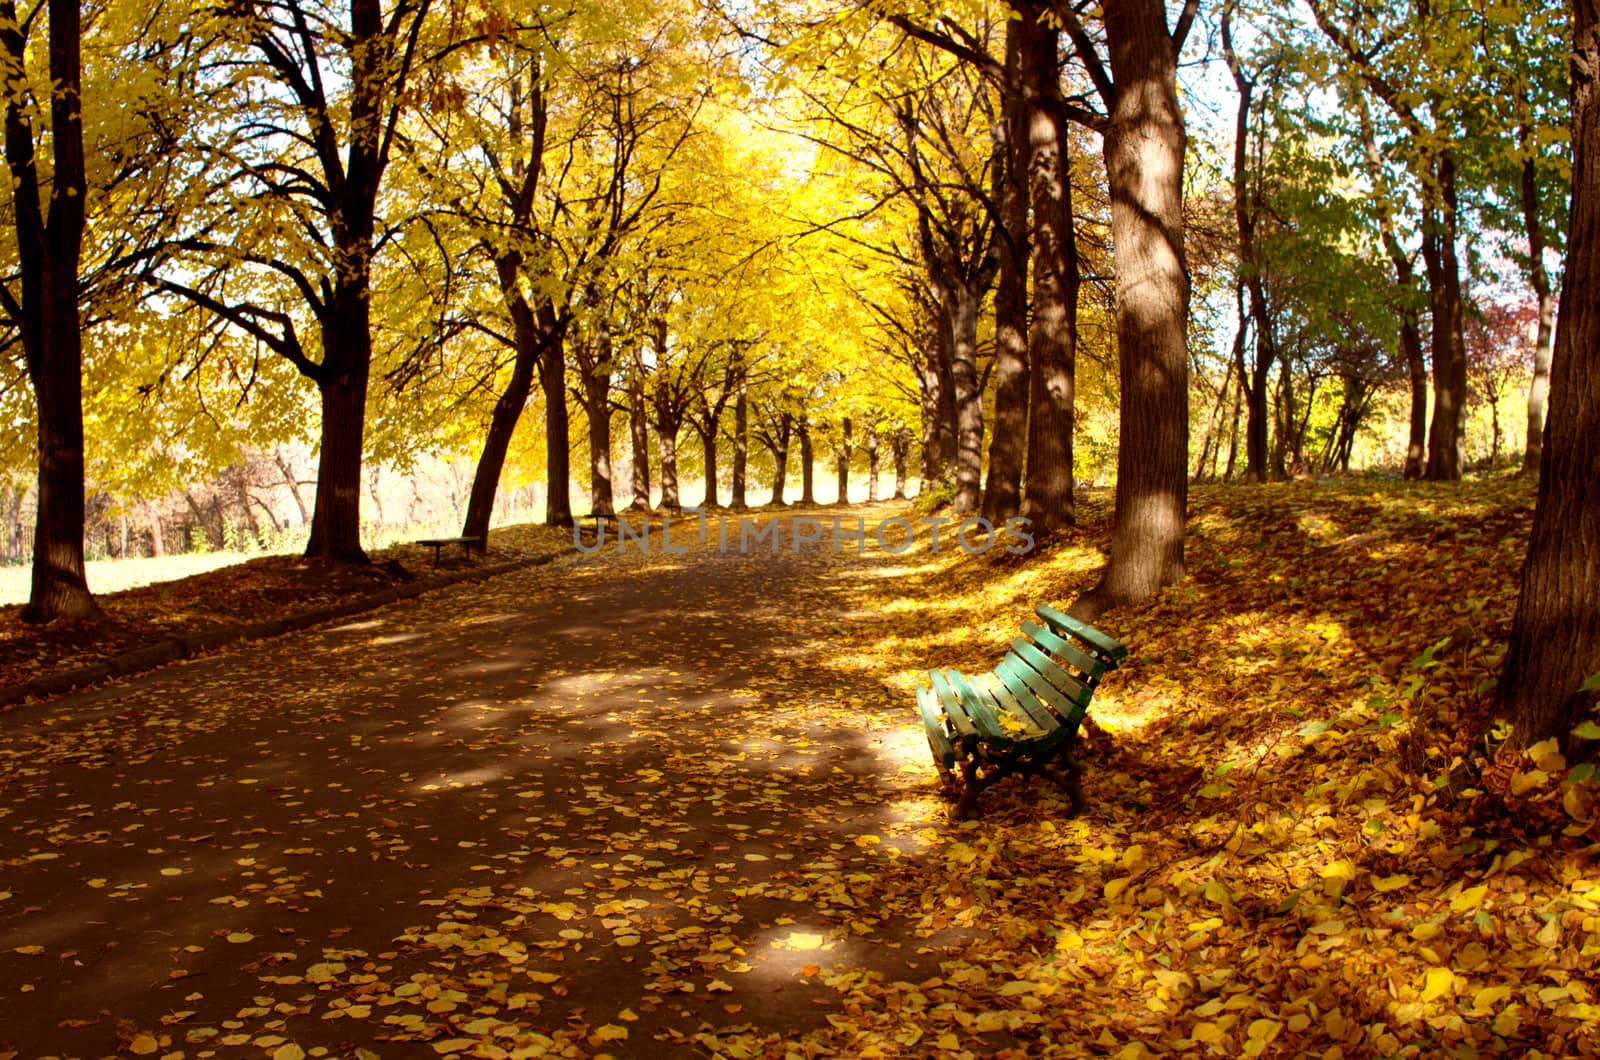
(807, 462)
(900, 446)
(1447, 432)
(557, 423)
(938, 403)
(594, 360)
(639, 439)
(961, 308)
(776, 439)
(843, 453)
(49, 250)
(708, 446)
(1555, 637)
(1002, 490)
(872, 464)
(1144, 150)
(1250, 264)
(1053, 336)
(1539, 280)
(507, 408)
(741, 449)
(668, 422)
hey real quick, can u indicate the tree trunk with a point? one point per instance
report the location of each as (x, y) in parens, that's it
(667, 437)
(968, 398)
(598, 407)
(1447, 432)
(503, 420)
(1002, 491)
(639, 440)
(1144, 150)
(872, 465)
(557, 427)
(1539, 280)
(780, 459)
(944, 422)
(900, 445)
(741, 449)
(708, 444)
(1053, 337)
(1555, 637)
(807, 464)
(843, 454)
(342, 383)
(158, 543)
(292, 480)
(48, 254)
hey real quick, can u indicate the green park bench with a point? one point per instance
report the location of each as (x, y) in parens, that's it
(1023, 717)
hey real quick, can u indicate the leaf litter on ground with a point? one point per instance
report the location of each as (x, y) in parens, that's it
(1295, 843)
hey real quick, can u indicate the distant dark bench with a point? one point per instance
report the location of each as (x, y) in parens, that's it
(437, 543)
(601, 520)
(1024, 716)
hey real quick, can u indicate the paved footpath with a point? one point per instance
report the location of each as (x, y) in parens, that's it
(625, 807)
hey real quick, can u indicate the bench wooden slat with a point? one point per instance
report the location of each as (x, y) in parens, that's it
(1088, 666)
(1073, 701)
(1043, 690)
(944, 752)
(980, 713)
(979, 700)
(1110, 649)
(1047, 724)
(963, 727)
(1074, 690)
(1009, 673)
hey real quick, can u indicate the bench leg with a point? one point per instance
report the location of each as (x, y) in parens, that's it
(1066, 772)
(967, 808)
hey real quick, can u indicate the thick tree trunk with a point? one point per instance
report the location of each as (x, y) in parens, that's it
(1002, 490)
(807, 463)
(601, 498)
(741, 449)
(708, 445)
(1539, 280)
(667, 438)
(1555, 637)
(1447, 432)
(557, 425)
(48, 253)
(594, 388)
(503, 420)
(969, 399)
(945, 426)
(639, 441)
(1144, 150)
(1053, 337)
(342, 386)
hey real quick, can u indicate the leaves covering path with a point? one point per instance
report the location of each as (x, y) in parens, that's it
(679, 805)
